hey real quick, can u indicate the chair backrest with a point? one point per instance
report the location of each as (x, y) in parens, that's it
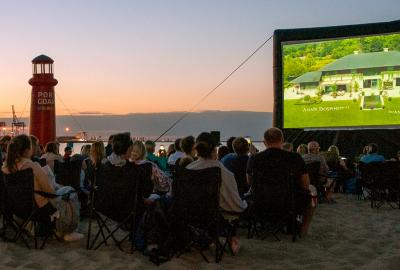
(383, 175)
(273, 192)
(42, 162)
(19, 196)
(241, 177)
(147, 168)
(57, 165)
(175, 170)
(117, 197)
(196, 196)
(69, 174)
(313, 173)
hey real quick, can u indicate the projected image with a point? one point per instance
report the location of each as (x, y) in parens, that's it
(346, 82)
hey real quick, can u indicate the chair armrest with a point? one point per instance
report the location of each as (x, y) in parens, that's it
(64, 196)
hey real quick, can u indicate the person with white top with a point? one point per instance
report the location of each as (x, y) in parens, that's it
(178, 154)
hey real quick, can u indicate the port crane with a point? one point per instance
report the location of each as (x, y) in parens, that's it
(16, 126)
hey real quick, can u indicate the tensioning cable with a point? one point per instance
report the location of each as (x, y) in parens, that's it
(25, 105)
(70, 113)
(214, 88)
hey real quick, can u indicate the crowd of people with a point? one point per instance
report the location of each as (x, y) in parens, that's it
(243, 168)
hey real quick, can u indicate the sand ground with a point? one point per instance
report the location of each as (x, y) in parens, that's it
(345, 235)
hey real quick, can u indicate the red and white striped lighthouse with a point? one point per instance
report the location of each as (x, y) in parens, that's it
(42, 122)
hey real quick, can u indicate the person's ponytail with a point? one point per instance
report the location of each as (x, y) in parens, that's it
(16, 150)
(12, 157)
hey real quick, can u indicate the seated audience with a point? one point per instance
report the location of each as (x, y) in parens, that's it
(302, 149)
(229, 144)
(85, 150)
(4, 142)
(188, 146)
(313, 156)
(18, 158)
(287, 146)
(262, 164)
(97, 153)
(161, 161)
(365, 151)
(122, 151)
(41, 150)
(35, 148)
(170, 150)
(237, 163)
(109, 145)
(178, 153)
(334, 149)
(222, 152)
(161, 181)
(373, 155)
(67, 153)
(230, 201)
(51, 154)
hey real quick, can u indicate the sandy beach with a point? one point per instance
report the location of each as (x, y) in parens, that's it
(345, 235)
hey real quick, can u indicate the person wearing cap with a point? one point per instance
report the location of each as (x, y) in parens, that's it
(230, 201)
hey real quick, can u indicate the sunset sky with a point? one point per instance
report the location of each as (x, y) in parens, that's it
(121, 57)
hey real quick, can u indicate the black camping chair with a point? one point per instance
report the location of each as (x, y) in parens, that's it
(20, 202)
(117, 199)
(2, 230)
(364, 181)
(384, 182)
(69, 174)
(195, 208)
(313, 169)
(42, 162)
(277, 201)
(241, 178)
(175, 170)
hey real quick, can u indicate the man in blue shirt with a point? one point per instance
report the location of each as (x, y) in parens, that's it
(373, 155)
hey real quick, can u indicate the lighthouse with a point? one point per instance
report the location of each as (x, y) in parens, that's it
(42, 121)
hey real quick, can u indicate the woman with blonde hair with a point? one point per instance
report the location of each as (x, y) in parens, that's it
(302, 149)
(160, 179)
(333, 148)
(98, 153)
(51, 154)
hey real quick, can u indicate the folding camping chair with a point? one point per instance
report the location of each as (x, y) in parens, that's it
(195, 209)
(277, 202)
(19, 199)
(314, 176)
(116, 198)
(384, 179)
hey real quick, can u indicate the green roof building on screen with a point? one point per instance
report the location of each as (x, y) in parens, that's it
(371, 71)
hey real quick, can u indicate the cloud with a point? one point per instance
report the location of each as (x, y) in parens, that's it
(93, 113)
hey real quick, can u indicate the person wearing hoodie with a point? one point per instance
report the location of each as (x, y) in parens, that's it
(18, 158)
